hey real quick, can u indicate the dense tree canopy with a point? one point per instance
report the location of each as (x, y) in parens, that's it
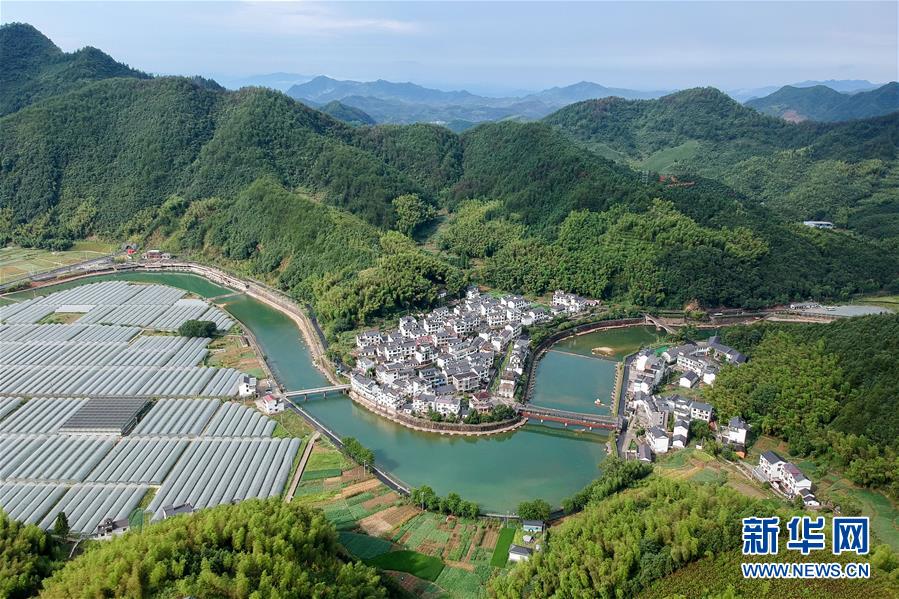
(537, 509)
(358, 452)
(411, 212)
(27, 555)
(704, 131)
(620, 544)
(427, 499)
(617, 474)
(35, 68)
(254, 549)
(828, 390)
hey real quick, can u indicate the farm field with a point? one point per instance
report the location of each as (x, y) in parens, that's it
(663, 160)
(501, 552)
(422, 566)
(430, 555)
(289, 424)
(231, 351)
(885, 301)
(16, 262)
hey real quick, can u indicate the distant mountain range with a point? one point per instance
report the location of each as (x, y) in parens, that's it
(823, 103)
(391, 102)
(847, 86)
(277, 81)
(267, 185)
(403, 103)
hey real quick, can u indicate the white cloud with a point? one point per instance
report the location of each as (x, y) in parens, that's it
(306, 18)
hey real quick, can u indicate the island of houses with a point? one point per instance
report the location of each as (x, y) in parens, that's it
(442, 365)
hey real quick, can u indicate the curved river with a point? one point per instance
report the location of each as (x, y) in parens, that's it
(497, 471)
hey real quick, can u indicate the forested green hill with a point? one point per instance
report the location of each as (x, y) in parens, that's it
(289, 194)
(839, 172)
(35, 68)
(256, 548)
(821, 103)
(829, 390)
(626, 542)
(348, 114)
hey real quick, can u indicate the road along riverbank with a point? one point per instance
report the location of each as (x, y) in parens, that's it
(265, 294)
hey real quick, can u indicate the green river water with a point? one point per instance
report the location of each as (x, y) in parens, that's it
(496, 471)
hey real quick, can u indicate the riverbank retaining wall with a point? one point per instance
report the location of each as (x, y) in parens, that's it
(444, 428)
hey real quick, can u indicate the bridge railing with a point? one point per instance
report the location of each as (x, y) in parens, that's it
(565, 413)
(316, 390)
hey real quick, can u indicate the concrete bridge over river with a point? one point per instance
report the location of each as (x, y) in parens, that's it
(658, 323)
(589, 421)
(323, 391)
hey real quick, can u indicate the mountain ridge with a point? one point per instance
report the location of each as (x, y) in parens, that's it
(47, 69)
(182, 164)
(822, 103)
(407, 102)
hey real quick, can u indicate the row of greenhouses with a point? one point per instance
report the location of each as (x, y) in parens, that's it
(65, 333)
(95, 413)
(139, 460)
(40, 415)
(217, 471)
(85, 505)
(118, 303)
(119, 381)
(59, 457)
(92, 477)
(144, 351)
(235, 420)
(8, 404)
(177, 417)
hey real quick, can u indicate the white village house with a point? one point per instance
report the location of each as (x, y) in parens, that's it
(269, 405)
(659, 439)
(787, 477)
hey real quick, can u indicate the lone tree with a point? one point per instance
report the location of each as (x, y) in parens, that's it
(61, 525)
(197, 328)
(534, 510)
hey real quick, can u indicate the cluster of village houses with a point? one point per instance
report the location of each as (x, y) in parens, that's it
(435, 361)
(692, 364)
(698, 364)
(786, 477)
(533, 533)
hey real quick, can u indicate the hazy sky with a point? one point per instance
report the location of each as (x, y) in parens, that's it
(497, 46)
